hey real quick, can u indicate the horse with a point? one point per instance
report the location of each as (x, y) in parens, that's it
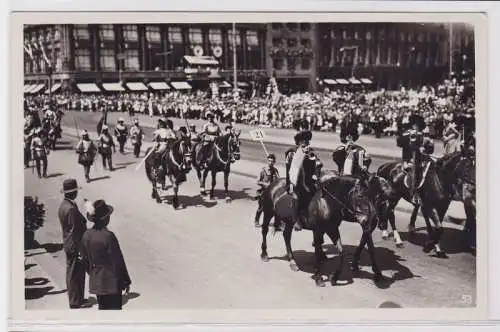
(458, 177)
(432, 194)
(351, 199)
(49, 134)
(224, 149)
(277, 202)
(175, 164)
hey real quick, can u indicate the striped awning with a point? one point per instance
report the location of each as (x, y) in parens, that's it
(354, 81)
(224, 84)
(54, 88)
(113, 87)
(330, 81)
(28, 87)
(243, 84)
(366, 81)
(137, 86)
(201, 60)
(37, 88)
(342, 81)
(159, 86)
(180, 85)
(88, 87)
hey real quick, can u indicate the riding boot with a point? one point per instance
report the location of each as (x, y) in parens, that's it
(45, 167)
(258, 213)
(110, 163)
(37, 165)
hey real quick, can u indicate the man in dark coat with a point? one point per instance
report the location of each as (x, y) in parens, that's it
(73, 225)
(104, 259)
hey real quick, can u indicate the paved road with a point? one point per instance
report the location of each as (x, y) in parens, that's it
(207, 254)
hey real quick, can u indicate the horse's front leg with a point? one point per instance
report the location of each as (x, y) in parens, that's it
(203, 179)
(175, 198)
(214, 180)
(413, 219)
(335, 237)
(319, 255)
(287, 235)
(371, 250)
(357, 253)
(437, 231)
(265, 229)
(226, 185)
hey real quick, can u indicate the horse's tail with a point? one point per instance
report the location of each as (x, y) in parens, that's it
(147, 166)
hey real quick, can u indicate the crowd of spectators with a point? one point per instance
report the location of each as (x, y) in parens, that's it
(379, 111)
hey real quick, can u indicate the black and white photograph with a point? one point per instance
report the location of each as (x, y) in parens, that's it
(283, 165)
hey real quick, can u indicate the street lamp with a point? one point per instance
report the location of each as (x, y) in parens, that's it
(356, 51)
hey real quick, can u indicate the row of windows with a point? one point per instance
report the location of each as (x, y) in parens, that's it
(46, 35)
(384, 34)
(174, 34)
(107, 60)
(304, 27)
(304, 64)
(292, 42)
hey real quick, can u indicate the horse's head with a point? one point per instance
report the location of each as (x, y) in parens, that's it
(185, 147)
(234, 144)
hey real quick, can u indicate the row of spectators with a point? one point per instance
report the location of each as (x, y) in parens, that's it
(379, 111)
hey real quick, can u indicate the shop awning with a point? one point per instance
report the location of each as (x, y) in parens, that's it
(342, 81)
(354, 81)
(180, 85)
(159, 86)
(113, 87)
(88, 87)
(224, 84)
(201, 60)
(329, 81)
(366, 81)
(28, 87)
(54, 88)
(37, 88)
(243, 84)
(137, 86)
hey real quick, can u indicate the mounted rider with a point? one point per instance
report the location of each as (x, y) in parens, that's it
(415, 142)
(210, 132)
(121, 133)
(354, 158)
(162, 137)
(136, 136)
(86, 151)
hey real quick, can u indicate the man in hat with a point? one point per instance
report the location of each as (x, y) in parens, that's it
(108, 274)
(136, 136)
(268, 174)
(73, 226)
(121, 133)
(211, 131)
(39, 152)
(105, 144)
(86, 151)
(356, 159)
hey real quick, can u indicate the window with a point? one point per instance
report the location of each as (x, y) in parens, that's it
(81, 32)
(277, 42)
(292, 26)
(153, 34)
(368, 35)
(131, 60)
(420, 37)
(215, 36)
(82, 60)
(381, 34)
(292, 42)
(175, 35)
(290, 64)
(356, 35)
(278, 64)
(420, 58)
(252, 38)
(130, 33)
(410, 36)
(107, 60)
(195, 36)
(106, 32)
(276, 26)
(306, 43)
(402, 36)
(305, 64)
(57, 35)
(59, 61)
(230, 37)
(344, 33)
(305, 27)
(333, 35)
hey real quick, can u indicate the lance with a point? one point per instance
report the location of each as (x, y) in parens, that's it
(144, 159)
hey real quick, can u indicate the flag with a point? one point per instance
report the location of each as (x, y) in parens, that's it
(27, 48)
(45, 56)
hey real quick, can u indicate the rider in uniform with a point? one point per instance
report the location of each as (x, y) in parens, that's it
(105, 143)
(268, 174)
(39, 152)
(86, 151)
(162, 137)
(136, 135)
(211, 130)
(121, 133)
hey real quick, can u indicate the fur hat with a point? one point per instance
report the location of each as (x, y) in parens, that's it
(98, 210)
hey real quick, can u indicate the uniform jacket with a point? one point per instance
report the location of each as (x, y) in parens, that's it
(104, 259)
(136, 134)
(73, 225)
(86, 149)
(105, 143)
(211, 129)
(121, 131)
(38, 148)
(268, 175)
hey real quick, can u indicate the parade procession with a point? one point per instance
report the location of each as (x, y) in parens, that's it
(365, 188)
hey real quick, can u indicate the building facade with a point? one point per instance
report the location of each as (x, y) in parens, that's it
(297, 54)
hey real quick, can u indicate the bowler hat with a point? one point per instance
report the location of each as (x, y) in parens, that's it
(69, 186)
(98, 210)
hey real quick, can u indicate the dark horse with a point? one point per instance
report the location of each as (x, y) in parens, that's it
(277, 202)
(432, 194)
(224, 149)
(175, 164)
(358, 200)
(50, 134)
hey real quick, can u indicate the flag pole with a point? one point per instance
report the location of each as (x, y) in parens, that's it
(235, 78)
(450, 36)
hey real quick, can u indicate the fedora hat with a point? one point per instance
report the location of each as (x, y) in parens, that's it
(69, 186)
(98, 210)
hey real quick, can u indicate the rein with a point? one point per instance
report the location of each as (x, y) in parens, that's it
(353, 212)
(219, 150)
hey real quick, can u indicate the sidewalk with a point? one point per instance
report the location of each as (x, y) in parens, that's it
(384, 147)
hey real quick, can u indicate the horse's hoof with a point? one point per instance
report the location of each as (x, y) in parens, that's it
(228, 199)
(385, 235)
(334, 278)
(294, 267)
(441, 254)
(257, 225)
(320, 283)
(411, 229)
(203, 193)
(355, 268)
(399, 245)
(264, 258)
(377, 277)
(427, 248)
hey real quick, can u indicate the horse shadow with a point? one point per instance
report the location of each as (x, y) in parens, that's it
(126, 163)
(39, 292)
(193, 201)
(244, 193)
(451, 239)
(51, 247)
(100, 178)
(387, 259)
(54, 175)
(129, 296)
(28, 266)
(36, 281)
